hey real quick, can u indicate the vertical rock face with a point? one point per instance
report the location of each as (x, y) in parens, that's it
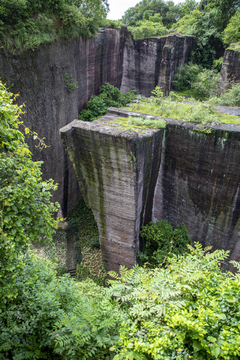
(39, 78)
(230, 69)
(117, 171)
(151, 62)
(179, 174)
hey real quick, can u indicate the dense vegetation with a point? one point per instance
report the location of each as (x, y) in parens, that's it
(162, 241)
(27, 23)
(187, 309)
(213, 23)
(174, 107)
(109, 96)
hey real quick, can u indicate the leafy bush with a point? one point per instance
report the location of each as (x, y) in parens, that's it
(204, 25)
(27, 23)
(27, 321)
(198, 112)
(185, 76)
(161, 240)
(109, 96)
(206, 83)
(25, 207)
(230, 98)
(190, 310)
(202, 82)
(91, 329)
(94, 243)
(148, 28)
(231, 33)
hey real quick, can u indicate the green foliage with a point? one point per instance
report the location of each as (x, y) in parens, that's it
(231, 33)
(230, 98)
(26, 212)
(70, 85)
(217, 64)
(202, 82)
(137, 123)
(148, 9)
(84, 226)
(185, 76)
(94, 243)
(206, 83)
(198, 112)
(91, 329)
(189, 310)
(109, 96)
(161, 240)
(148, 28)
(27, 321)
(202, 25)
(27, 24)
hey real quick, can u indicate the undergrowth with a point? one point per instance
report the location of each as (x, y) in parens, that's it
(136, 123)
(28, 24)
(174, 107)
(84, 226)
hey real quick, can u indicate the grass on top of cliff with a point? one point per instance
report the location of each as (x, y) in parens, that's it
(137, 123)
(174, 107)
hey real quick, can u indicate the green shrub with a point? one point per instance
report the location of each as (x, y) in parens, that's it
(202, 82)
(185, 76)
(91, 329)
(148, 28)
(27, 321)
(230, 98)
(28, 24)
(201, 113)
(25, 199)
(109, 96)
(231, 33)
(94, 243)
(189, 310)
(206, 83)
(161, 240)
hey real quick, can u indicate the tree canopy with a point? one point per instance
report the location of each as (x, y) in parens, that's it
(28, 23)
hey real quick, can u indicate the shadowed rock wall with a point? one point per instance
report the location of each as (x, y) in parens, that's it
(180, 174)
(230, 69)
(152, 62)
(39, 78)
(111, 167)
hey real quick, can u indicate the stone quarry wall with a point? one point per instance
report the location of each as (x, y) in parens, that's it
(230, 69)
(180, 174)
(38, 77)
(148, 63)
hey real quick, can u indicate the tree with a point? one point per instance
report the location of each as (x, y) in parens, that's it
(26, 212)
(168, 11)
(29, 23)
(232, 32)
(202, 25)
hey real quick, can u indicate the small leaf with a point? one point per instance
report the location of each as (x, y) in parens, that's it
(27, 130)
(211, 339)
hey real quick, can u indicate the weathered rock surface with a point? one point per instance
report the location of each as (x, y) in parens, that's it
(180, 174)
(39, 78)
(117, 171)
(152, 62)
(230, 69)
